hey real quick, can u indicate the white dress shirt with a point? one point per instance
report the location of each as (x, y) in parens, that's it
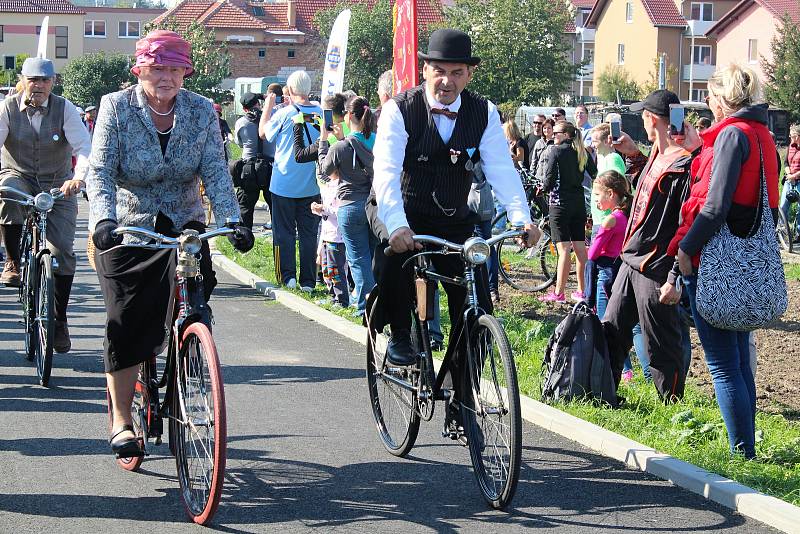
(74, 130)
(390, 148)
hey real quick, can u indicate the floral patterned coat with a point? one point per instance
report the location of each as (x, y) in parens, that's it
(129, 180)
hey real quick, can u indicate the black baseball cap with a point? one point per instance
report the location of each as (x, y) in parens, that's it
(249, 100)
(657, 102)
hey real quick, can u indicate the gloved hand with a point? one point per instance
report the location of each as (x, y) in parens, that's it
(103, 238)
(242, 239)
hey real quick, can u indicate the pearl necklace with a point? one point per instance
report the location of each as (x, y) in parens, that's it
(162, 114)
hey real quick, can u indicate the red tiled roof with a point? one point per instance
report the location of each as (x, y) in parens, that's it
(777, 7)
(212, 14)
(428, 11)
(39, 6)
(586, 4)
(660, 13)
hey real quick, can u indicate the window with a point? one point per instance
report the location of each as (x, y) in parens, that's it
(262, 52)
(701, 55)
(258, 11)
(129, 29)
(620, 54)
(702, 11)
(290, 52)
(9, 62)
(94, 28)
(62, 42)
(698, 95)
(1, 33)
(752, 51)
(588, 55)
(629, 11)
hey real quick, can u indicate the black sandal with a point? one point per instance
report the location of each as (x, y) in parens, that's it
(125, 448)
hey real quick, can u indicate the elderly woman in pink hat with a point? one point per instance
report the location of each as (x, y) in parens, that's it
(152, 143)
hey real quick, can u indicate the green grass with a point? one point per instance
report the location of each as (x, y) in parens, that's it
(691, 430)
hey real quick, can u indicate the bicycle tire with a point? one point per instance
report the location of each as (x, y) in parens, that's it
(44, 322)
(784, 233)
(201, 412)
(393, 407)
(548, 261)
(522, 268)
(140, 416)
(491, 378)
(26, 295)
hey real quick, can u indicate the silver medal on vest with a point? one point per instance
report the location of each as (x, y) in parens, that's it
(56, 137)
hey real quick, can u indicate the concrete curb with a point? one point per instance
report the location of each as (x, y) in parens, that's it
(747, 501)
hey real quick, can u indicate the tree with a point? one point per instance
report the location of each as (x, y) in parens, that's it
(652, 81)
(210, 58)
(524, 56)
(369, 44)
(87, 78)
(616, 80)
(782, 84)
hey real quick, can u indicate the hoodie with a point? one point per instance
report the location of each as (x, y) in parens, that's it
(352, 159)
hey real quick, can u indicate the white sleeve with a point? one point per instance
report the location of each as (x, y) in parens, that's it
(390, 149)
(500, 172)
(78, 137)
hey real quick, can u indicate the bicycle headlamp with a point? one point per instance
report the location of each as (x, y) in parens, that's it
(43, 202)
(190, 242)
(476, 251)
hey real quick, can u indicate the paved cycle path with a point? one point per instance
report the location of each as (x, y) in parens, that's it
(303, 453)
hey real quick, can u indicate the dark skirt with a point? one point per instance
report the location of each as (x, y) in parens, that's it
(137, 285)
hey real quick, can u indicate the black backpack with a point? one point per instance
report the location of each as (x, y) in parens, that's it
(576, 363)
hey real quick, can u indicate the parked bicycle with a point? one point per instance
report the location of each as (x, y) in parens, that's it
(786, 228)
(488, 394)
(194, 399)
(36, 273)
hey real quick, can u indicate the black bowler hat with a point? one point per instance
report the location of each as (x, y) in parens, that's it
(450, 46)
(249, 100)
(657, 102)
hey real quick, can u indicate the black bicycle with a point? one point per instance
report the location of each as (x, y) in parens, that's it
(786, 227)
(36, 273)
(488, 408)
(194, 400)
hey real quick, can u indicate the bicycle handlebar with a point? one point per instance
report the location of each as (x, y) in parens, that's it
(455, 247)
(44, 204)
(162, 241)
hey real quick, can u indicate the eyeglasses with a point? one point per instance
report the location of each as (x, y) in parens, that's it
(538, 123)
(558, 132)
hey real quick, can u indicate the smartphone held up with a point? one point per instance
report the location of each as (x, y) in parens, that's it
(677, 116)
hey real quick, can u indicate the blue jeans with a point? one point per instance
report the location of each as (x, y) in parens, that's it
(357, 236)
(484, 230)
(435, 324)
(785, 205)
(728, 358)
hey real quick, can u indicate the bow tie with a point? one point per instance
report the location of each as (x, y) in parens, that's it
(452, 115)
(31, 111)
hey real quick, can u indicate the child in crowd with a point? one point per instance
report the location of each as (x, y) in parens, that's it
(331, 249)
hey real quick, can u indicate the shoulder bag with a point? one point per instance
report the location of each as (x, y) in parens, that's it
(741, 284)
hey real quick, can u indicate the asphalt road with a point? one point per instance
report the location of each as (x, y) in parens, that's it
(303, 453)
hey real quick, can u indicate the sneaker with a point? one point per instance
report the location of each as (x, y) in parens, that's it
(553, 297)
(10, 276)
(291, 284)
(577, 296)
(306, 289)
(627, 376)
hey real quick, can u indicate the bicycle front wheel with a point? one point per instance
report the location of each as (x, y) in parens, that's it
(200, 446)
(491, 413)
(393, 406)
(784, 232)
(44, 323)
(27, 296)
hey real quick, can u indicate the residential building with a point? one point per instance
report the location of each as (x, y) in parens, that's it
(115, 29)
(736, 40)
(636, 33)
(20, 23)
(581, 40)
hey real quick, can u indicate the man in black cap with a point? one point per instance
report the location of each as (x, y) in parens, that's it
(645, 290)
(257, 157)
(429, 140)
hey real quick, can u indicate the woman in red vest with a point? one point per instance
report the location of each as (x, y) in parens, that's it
(726, 189)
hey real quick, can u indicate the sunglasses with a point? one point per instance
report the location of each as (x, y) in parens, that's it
(558, 132)
(538, 123)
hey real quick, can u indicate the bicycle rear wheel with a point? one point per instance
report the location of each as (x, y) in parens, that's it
(491, 413)
(140, 416)
(201, 427)
(784, 232)
(393, 406)
(521, 267)
(27, 295)
(44, 322)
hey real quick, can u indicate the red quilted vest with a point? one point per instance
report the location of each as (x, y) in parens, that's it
(747, 190)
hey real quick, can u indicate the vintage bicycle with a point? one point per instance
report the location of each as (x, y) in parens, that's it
(194, 397)
(488, 403)
(36, 273)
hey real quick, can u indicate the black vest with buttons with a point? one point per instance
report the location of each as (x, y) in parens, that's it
(433, 185)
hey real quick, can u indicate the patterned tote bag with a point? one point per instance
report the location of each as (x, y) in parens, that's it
(741, 284)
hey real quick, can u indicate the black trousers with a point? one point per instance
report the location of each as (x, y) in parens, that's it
(634, 299)
(248, 197)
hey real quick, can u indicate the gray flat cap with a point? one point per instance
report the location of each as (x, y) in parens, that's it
(38, 67)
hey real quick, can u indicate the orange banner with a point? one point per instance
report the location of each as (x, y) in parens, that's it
(405, 68)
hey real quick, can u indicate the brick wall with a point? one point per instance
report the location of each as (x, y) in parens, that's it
(245, 61)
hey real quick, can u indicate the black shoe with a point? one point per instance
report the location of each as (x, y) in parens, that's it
(61, 341)
(453, 428)
(125, 448)
(399, 351)
(436, 345)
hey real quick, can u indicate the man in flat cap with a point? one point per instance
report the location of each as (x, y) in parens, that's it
(40, 133)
